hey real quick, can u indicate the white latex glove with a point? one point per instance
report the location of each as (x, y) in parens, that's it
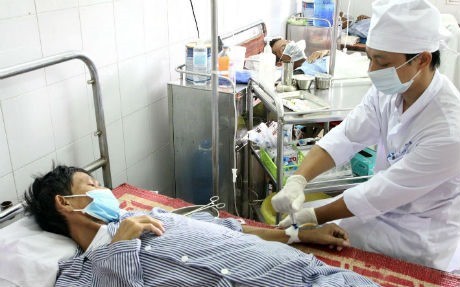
(292, 196)
(295, 50)
(306, 215)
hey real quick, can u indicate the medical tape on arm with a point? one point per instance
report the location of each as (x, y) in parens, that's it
(293, 234)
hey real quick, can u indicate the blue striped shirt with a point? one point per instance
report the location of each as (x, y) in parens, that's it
(199, 251)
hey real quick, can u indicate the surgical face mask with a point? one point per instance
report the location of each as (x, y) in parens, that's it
(104, 206)
(296, 51)
(387, 80)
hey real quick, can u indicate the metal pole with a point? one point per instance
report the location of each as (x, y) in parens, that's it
(214, 100)
(334, 37)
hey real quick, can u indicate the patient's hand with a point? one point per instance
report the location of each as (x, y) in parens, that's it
(133, 227)
(362, 17)
(328, 234)
(317, 55)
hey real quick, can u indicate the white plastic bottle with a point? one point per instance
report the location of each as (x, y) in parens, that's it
(267, 67)
(200, 63)
(308, 11)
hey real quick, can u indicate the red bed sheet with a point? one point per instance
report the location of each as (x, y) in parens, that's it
(386, 271)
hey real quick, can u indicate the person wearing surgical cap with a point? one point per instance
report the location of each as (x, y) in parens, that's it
(311, 65)
(410, 208)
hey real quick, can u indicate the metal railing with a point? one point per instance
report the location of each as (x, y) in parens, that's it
(103, 161)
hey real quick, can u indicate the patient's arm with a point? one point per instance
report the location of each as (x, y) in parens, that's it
(329, 234)
(317, 55)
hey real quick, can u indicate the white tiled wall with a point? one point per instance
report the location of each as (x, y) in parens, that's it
(48, 115)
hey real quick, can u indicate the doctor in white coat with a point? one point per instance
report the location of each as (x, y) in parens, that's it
(410, 208)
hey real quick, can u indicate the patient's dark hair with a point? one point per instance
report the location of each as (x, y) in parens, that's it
(40, 198)
(435, 59)
(271, 43)
(274, 40)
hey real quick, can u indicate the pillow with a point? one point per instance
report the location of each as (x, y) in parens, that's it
(29, 255)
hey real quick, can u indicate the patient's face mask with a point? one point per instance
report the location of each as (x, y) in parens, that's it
(104, 206)
(295, 50)
(387, 80)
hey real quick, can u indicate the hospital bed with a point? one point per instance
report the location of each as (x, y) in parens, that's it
(29, 255)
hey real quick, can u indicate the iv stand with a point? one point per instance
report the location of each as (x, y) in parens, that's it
(214, 100)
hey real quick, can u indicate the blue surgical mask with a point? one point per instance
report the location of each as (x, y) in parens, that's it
(105, 205)
(387, 80)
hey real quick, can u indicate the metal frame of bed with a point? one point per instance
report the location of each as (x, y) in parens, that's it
(101, 133)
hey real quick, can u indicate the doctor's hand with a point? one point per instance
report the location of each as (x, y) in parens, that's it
(306, 215)
(328, 234)
(134, 227)
(291, 197)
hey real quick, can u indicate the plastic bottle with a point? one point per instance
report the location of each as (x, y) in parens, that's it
(308, 10)
(323, 9)
(224, 66)
(200, 62)
(202, 173)
(267, 67)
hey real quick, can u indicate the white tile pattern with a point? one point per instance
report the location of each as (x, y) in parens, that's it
(16, 8)
(51, 5)
(129, 22)
(28, 127)
(21, 46)
(5, 163)
(8, 189)
(98, 33)
(24, 176)
(133, 84)
(139, 138)
(58, 38)
(70, 110)
(78, 153)
(22, 84)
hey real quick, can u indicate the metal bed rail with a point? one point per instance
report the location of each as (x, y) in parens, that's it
(181, 69)
(103, 161)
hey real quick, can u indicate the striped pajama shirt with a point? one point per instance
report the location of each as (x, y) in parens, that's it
(199, 251)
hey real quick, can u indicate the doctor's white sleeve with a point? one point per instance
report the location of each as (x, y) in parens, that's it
(359, 130)
(429, 165)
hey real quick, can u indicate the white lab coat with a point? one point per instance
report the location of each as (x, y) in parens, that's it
(410, 208)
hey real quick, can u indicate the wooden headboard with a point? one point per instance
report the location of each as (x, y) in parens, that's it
(251, 36)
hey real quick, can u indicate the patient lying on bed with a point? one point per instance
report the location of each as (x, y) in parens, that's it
(347, 65)
(159, 248)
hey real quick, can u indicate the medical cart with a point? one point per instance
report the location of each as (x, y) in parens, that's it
(342, 96)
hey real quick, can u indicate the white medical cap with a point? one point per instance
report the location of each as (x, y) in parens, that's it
(404, 26)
